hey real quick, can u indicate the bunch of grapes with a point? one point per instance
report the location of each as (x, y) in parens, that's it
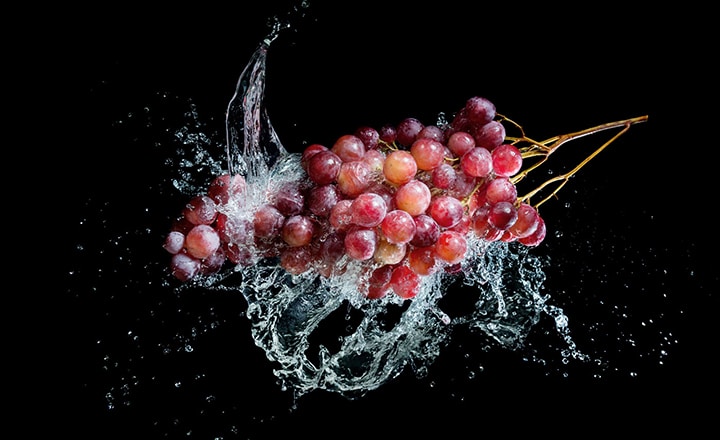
(403, 200)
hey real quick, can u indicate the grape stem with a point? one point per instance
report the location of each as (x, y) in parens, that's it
(545, 148)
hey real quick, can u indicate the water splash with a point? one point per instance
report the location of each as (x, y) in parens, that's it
(377, 339)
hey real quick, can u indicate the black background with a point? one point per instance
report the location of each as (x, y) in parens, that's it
(637, 224)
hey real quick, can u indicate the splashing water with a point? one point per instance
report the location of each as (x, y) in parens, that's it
(378, 339)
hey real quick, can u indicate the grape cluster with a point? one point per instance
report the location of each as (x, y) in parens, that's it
(403, 200)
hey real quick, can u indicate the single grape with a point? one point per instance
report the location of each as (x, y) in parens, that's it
(500, 189)
(267, 221)
(233, 229)
(184, 266)
(378, 284)
(427, 231)
(323, 167)
(422, 260)
(399, 167)
(536, 237)
(369, 136)
(341, 215)
(460, 143)
(353, 178)
(202, 241)
(375, 159)
(368, 209)
(309, 152)
(200, 210)
(428, 153)
(527, 221)
(387, 252)
(413, 197)
(507, 160)
(321, 199)
(451, 247)
(432, 132)
(447, 211)
(174, 242)
(404, 282)
(296, 260)
(289, 200)
(349, 148)
(398, 226)
(477, 162)
(213, 263)
(444, 176)
(360, 243)
(489, 135)
(298, 230)
(388, 134)
(479, 110)
(407, 131)
(502, 215)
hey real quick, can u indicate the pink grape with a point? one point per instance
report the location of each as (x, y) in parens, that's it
(368, 209)
(213, 263)
(490, 135)
(375, 159)
(432, 132)
(422, 260)
(527, 221)
(268, 221)
(174, 242)
(460, 143)
(233, 229)
(369, 136)
(200, 210)
(427, 231)
(387, 252)
(477, 162)
(507, 160)
(404, 282)
(202, 241)
(341, 215)
(296, 260)
(444, 176)
(479, 110)
(398, 226)
(309, 152)
(500, 189)
(378, 284)
(537, 236)
(407, 131)
(321, 199)
(413, 197)
(428, 153)
(323, 167)
(388, 134)
(360, 243)
(184, 266)
(298, 230)
(353, 178)
(502, 215)
(399, 167)
(451, 246)
(349, 148)
(289, 200)
(447, 211)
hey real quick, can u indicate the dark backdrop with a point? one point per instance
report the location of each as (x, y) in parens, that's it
(631, 234)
